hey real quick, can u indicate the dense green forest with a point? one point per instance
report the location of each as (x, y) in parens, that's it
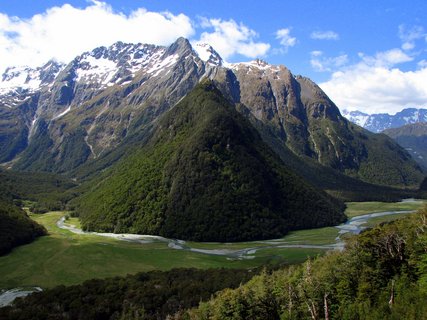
(151, 295)
(47, 191)
(16, 227)
(339, 185)
(205, 175)
(382, 274)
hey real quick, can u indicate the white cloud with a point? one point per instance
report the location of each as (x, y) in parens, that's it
(229, 38)
(285, 38)
(322, 64)
(324, 35)
(64, 32)
(387, 58)
(410, 36)
(422, 64)
(374, 85)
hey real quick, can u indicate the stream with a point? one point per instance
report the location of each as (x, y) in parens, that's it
(354, 225)
(8, 296)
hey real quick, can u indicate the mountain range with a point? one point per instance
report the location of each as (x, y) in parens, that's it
(63, 118)
(413, 137)
(381, 121)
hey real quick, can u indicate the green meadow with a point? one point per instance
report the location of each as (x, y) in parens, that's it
(360, 208)
(66, 258)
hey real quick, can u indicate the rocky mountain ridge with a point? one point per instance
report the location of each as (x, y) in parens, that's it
(110, 96)
(382, 121)
(413, 137)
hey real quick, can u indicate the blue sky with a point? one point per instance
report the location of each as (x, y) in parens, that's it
(366, 55)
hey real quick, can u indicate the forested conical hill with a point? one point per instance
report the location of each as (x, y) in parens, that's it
(16, 228)
(205, 175)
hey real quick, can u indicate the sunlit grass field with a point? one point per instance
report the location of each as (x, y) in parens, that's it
(66, 258)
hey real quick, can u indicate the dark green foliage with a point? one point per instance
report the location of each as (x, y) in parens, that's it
(381, 275)
(334, 182)
(16, 227)
(372, 158)
(205, 175)
(423, 186)
(72, 153)
(390, 165)
(152, 295)
(422, 191)
(34, 156)
(49, 191)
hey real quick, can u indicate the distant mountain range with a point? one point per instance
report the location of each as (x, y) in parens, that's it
(413, 137)
(382, 121)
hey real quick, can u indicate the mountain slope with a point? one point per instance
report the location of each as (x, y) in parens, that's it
(103, 99)
(412, 137)
(300, 115)
(382, 121)
(205, 175)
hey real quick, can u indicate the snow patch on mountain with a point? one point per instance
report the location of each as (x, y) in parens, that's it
(62, 113)
(208, 54)
(382, 121)
(160, 65)
(257, 64)
(17, 83)
(92, 69)
(23, 78)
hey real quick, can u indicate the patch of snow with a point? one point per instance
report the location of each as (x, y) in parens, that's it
(20, 77)
(33, 125)
(101, 70)
(254, 64)
(203, 51)
(208, 54)
(62, 113)
(159, 66)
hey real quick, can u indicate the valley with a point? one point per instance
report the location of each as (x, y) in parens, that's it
(67, 258)
(213, 160)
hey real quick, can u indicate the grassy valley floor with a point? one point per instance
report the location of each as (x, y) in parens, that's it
(66, 258)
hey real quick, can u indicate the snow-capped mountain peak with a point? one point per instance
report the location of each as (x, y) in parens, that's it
(17, 82)
(27, 78)
(357, 117)
(208, 54)
(115, 64)
(382, 121)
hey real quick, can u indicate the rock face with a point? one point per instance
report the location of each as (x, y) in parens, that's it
(102, 99)
(412, 137)
(382, 121)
